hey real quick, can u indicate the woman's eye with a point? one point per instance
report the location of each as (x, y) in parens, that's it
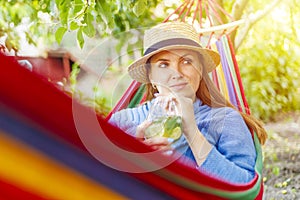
(163, 65)
(187, 61)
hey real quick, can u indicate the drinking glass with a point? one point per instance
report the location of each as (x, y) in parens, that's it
(166, 119)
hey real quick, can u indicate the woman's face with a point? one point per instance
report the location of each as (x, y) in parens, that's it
(177, 71)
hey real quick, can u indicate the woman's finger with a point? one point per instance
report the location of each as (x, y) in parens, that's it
(158, 141)
(140, 130)
(162, 148)
(165, 99)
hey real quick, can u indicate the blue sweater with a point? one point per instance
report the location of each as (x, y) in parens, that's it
(233, 155)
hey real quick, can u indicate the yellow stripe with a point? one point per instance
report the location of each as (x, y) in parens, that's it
(221, 77)
(34, 172)
(222, 82)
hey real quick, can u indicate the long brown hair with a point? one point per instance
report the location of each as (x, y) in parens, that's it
(209, 95)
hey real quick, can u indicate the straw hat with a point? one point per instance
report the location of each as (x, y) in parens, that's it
(166, 36)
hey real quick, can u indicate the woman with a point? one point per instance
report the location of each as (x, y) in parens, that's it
(216, 137)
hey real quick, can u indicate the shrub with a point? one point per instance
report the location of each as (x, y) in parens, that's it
(270, 71)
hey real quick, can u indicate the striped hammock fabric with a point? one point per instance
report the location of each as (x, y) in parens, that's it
(44, 157)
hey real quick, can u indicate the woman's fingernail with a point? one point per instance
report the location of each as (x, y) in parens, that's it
(170, 140)
(168, 153)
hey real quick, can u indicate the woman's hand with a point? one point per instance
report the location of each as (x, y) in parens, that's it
(186, 110)
(157, 142)
(197, 142)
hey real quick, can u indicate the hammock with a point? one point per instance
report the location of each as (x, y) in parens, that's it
(43, 157)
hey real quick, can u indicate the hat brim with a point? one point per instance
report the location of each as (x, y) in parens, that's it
(138, 71)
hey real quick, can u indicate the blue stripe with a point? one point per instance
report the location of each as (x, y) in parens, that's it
(75, 158)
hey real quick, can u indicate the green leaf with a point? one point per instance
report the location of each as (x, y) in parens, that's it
(64, 8)
(73, 26)
(139, 7)
(80, 38)
(104, 10)
(29, 39)
(89, 28)
(58, 2)
(119, 23)
(78, 6)
(64, 14)
(59, 34)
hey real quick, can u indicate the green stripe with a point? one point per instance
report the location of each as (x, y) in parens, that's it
(137, 97)
(232, 70)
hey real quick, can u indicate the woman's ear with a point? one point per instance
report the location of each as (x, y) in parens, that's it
(153, 86)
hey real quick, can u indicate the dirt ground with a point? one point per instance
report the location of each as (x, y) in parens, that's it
(282, 159)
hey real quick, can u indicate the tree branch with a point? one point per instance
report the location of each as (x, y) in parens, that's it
(238, 8)
(251, 20)
(237, 12)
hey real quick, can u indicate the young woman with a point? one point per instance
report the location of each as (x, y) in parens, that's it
(216, 137)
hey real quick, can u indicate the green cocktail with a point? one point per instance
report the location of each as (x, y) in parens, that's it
(168, 126)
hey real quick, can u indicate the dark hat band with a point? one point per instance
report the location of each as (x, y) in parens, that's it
(170, 42)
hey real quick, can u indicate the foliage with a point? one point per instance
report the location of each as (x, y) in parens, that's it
(15, 14)
(91, 18)
(270, 67)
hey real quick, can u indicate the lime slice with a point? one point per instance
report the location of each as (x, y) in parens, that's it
(154, 129)
(172, 122)
(176, 133)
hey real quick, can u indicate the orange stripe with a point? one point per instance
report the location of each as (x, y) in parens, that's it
(31, 170)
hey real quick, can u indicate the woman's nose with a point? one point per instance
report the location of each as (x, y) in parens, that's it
(177, 77)
(176, 74)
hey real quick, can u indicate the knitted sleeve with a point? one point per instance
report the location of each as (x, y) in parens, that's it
(233, 156)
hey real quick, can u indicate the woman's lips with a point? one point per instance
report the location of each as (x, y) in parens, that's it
(178, 86)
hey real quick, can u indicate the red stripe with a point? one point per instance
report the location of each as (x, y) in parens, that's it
(8, 191)
(238, 75)
(261, 192)
(38, 99)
